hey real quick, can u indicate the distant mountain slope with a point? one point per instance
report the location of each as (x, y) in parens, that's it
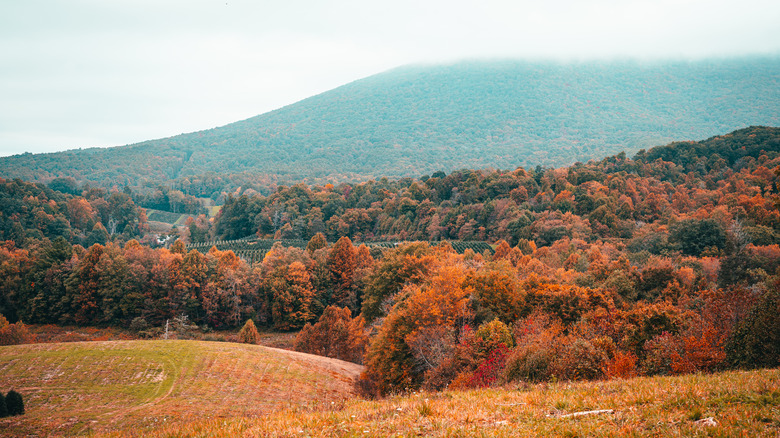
(416, 120)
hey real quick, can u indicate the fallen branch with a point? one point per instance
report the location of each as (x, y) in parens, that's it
(583, 413)
(709, 421)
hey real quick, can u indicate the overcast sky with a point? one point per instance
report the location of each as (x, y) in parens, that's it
(107, 73)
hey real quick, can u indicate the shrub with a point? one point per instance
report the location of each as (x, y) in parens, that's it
(13, 334)
(366, 387)
(579, 360)
(538, 341)
(660, 353)
(138, 324)
(530, 363)
(14, 403)
(3, 407)
(493, 335)
(621, 365)
(248, 333)
(491, 369)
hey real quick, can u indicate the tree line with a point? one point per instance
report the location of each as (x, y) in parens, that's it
(611, 269)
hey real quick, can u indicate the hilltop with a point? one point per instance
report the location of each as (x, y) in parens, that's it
(416, 120)
(96, 387)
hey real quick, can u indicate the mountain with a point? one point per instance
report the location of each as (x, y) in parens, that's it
(420, 119)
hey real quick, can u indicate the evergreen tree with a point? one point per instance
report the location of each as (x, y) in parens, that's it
(3, 407)
(14, 403)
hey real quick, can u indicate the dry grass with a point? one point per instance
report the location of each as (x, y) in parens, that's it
(49, 333)
(202, 389)
(742, 403)
(138, 386)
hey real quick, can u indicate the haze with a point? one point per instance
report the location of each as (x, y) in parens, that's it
(92, 73)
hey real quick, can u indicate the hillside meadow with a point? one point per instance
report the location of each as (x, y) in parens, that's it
(199, 389)
(98, 387)
(722, 405)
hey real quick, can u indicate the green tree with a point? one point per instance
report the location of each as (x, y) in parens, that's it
(692, 236)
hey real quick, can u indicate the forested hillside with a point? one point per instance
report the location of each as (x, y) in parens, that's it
(418, 120)
(605, 199)
(665, 263)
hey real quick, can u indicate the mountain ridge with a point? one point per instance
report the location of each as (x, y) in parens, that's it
(414, 120)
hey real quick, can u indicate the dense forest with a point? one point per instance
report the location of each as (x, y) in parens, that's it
(663, 263)
(418, 120)
(615, 198)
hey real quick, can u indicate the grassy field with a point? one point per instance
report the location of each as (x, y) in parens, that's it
(739, 404)
(209, 389)
(139, 386)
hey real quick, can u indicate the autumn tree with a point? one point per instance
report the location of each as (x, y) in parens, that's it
(336, 334)
(341, 263)
(85, 286)
(13, 334)
(408, 263)
(441, 301)
(248, 333)
(502, 250)
(291, 296)
(316, 242)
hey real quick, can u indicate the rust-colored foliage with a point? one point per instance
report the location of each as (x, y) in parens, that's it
(248, 333)
(336, 335)
(342, 265)
(13, 334)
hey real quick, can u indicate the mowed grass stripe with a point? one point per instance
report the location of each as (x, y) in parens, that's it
(87, 387)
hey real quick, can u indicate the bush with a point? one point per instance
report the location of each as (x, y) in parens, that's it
(621, 365)
(14, 403)
(660, 353)
(493, 335)
(579, 360)
(538, 339)
(13, 334)
(3, 407)
(490, 371)
(248, 333)
(366, 387)
(138, 324)
(529, 363)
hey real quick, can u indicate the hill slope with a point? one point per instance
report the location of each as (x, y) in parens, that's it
(184, 388)
(740, 404)
(416, 120)
(101, 386)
